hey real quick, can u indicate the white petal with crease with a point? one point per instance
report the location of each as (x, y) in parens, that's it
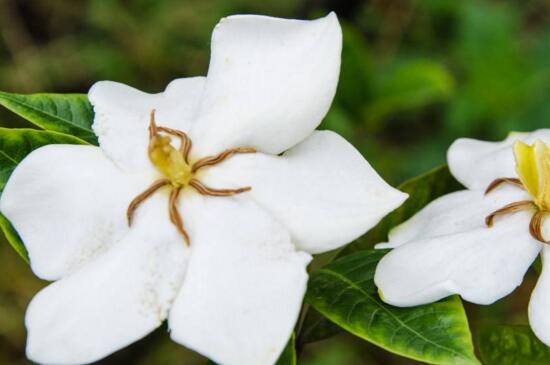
(270, 82)
(457, 212)
(477, 163)
(114, 300)
(244, 286)
(479, 263)
(67, 203)
(322, 190)
(122, 116)
(539, 317)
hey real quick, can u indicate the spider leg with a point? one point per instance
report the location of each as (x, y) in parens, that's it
(535, 227)
(205, 190)
(185, 146)
(186, 143)
(175, 216)
(504, 180)
(153, 129)
(214, 160)
(134, 204)
(510, 208)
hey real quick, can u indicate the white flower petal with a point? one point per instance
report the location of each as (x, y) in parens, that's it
(479, 263)
(270, 82)
(67, 203)
(454, 213)
(244, 286)
(322, 190)
(113, 301)
(539, 317)
(122, 116)
(477, 163)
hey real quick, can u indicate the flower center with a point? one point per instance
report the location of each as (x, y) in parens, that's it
(178, 172)
(533, 168)
(169, 161)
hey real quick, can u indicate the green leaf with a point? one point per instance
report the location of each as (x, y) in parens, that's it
(13, 238)
(316, 328)
(356, 72)
(437, 333)
(512, 345)
(408, 86)
(288, 357)
(537, 265)
(65, 113)
(15, 145)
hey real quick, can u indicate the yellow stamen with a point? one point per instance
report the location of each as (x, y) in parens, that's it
(542, 152)
(526, 167)
(533, 169)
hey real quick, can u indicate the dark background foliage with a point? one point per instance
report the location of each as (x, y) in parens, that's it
(416, 75)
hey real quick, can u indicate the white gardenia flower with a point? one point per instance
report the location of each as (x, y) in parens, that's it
(478, 242)
(201, 206)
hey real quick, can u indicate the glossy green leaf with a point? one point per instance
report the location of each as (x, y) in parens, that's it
(15, 145)
(512, 345)
(437, 333)
(65, 113)
(288, 357)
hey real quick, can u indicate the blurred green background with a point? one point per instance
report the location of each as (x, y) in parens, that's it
(415, 76)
